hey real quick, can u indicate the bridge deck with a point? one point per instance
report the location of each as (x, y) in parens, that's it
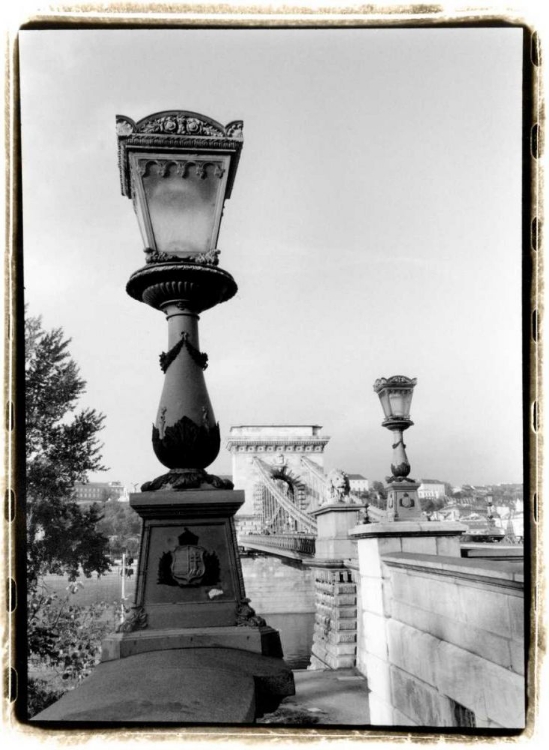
(295, 546)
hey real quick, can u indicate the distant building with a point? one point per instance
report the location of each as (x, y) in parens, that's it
(358, 483)
(97, 492)
(511, 519)
(246, 524)
(431, 490)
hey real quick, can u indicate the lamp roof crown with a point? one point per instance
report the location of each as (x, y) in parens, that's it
(177, 132)
(395, 381)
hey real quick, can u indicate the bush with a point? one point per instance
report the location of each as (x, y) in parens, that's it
(64, 643)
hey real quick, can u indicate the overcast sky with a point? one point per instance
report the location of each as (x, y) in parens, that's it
(374, 230)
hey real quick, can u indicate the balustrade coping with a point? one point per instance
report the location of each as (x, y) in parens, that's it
(286, 535)
(485, 571)
(407, 528)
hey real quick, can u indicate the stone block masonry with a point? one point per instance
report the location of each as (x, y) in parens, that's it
(278, 586)
(440, 638)
(335, 630)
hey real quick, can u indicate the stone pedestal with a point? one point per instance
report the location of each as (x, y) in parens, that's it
(374, 541)
(403, 500)
(190, 591)
(333, 523)
(335, 630)
(191, 649)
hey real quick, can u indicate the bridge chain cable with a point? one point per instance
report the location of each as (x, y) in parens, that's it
(268, 522)
(293, 511)
(314, 469)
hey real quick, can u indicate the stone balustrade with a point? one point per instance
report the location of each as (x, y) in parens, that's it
(455, 640)
(440, 638)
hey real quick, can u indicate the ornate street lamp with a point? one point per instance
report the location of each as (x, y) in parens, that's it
(395, 394)
(178, 168)
(490, 511)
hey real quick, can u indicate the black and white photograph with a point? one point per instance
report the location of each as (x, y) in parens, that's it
(274, 373)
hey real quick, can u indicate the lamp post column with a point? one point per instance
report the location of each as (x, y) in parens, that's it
(184, 402)
(400, 465)
(185, 435)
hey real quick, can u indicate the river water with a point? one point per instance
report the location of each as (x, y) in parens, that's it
(296, 634)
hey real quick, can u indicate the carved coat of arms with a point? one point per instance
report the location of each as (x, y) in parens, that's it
(188, 564)
(407, 501)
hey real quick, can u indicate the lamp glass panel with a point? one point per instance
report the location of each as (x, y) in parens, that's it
(400, 403)
(385, 404)
(182, 203)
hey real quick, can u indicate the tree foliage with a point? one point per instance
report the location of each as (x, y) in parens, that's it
(121, 524)
(61, 448)
(379, 488)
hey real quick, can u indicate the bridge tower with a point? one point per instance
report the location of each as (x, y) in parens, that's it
(279, 468)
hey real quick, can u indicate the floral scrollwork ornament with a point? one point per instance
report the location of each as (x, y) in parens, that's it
(135, 620)
(246, 616)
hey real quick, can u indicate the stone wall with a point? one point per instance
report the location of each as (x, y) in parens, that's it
(277, 585)
(441, 641)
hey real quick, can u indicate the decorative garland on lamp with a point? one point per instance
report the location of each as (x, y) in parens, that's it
(198, 357)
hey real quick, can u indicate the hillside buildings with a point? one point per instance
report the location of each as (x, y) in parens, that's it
(431, 490)
(98, 492)
(358, 483)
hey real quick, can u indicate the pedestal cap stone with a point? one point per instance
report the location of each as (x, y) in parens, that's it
(333, 523)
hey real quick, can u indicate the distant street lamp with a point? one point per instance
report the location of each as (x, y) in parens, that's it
(178, 168)
(490, 510)
(395, 394)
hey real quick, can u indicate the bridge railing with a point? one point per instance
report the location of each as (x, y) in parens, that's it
(301, 543)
